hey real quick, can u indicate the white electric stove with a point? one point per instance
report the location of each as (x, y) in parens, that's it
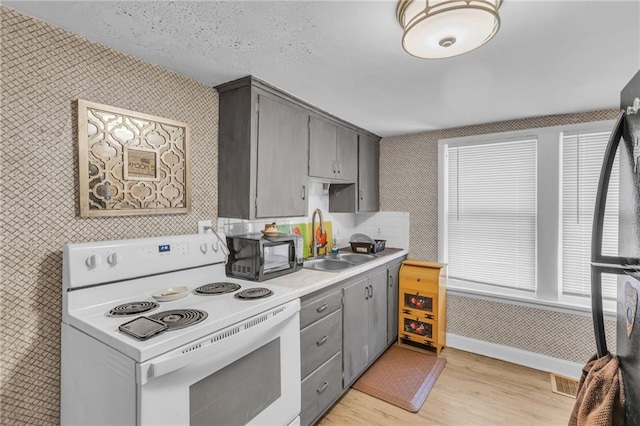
(230, 354)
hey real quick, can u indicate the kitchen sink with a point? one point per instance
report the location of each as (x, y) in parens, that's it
(337, 262)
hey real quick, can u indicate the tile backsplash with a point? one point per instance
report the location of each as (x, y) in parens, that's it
(390, 226)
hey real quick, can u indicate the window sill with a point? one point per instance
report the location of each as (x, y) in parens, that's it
(528, 300)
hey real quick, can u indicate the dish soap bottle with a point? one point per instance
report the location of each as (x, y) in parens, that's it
(334, 245)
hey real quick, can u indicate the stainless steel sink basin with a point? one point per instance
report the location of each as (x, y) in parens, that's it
(337, 262)
(356, 258)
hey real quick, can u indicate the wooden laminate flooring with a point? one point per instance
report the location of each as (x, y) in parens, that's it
(472, 390)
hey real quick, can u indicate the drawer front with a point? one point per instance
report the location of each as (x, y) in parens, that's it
(318, 309)
(426, 279)
(320, 341)
(418, 302)
(320, 389)
(418, 329)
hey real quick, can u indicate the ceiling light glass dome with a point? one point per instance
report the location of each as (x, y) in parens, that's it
(436, 29)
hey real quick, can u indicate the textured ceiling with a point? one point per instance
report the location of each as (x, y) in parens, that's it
(549, 57)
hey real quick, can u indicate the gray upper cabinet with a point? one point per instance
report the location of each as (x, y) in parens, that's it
(333, 151)
(322, 148)
(262, 152)
(363, 197)
(347, 156)
(282, 151)
(368, 174)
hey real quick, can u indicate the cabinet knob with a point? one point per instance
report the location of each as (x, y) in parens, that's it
(304, 192)
(323, 388)
(322, 308)
(322, 341)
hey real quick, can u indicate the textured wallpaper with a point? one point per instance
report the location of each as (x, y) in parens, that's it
(44, 71)
(409, 182)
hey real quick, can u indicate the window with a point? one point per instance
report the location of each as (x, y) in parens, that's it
(516, 211)
(492, 213)
(582, 156)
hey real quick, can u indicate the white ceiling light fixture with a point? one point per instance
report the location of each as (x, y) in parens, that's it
(435, 29)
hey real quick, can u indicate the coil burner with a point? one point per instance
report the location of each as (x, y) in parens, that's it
(253, 293)
(133, 308)
(180, 318)
(215, 289)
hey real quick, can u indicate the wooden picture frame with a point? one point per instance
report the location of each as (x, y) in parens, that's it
(131, 163)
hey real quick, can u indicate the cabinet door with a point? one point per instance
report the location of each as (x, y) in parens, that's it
(347, 155)
(368, 174)
(355, 331)
(377, 315)
(281, 188)
(393, 274)
(322, 149)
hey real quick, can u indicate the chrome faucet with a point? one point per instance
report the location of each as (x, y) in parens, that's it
(314, 242)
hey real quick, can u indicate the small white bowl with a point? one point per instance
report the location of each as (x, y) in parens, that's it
(172, 293)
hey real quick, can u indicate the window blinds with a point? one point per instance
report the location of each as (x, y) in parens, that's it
(492, 213)
(582, 156)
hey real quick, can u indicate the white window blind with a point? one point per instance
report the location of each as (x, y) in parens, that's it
(491, 226)
(582, 157)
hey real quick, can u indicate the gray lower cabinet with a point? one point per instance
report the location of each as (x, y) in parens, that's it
(262, 153)
(321, 389)
(393, 275)
(364, 324)
(333, 151)
(320, 354)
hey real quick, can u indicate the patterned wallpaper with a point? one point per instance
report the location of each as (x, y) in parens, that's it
(44, 70)
(409, 182)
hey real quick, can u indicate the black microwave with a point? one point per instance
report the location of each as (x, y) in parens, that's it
(258, 258)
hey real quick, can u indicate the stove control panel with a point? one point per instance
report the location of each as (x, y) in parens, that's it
(175, 249)
(95, 263)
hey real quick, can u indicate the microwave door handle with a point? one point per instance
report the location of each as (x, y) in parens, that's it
(601, 195)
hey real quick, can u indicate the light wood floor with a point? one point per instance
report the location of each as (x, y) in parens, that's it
(472, 390)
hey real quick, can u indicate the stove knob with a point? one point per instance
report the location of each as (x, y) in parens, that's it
(93, 261)
(204, 248)
(214, 246)
(114, 258)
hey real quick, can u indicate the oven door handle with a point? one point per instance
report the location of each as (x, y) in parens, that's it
(237, 337)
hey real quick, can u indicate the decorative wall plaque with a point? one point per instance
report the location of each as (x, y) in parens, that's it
(131, 163)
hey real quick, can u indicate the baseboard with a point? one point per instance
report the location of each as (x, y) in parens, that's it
(516, 356)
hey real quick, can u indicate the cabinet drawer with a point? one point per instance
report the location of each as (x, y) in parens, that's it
(418, 303)
(426, 279)
(318, 309)
(321, 389)
(418, 329)
(320, 341)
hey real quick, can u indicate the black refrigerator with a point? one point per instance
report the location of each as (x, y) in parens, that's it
(626, 265)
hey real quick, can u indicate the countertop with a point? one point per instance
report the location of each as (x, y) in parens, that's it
(307, 281)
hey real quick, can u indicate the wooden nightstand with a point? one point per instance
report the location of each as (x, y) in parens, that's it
(422, 305)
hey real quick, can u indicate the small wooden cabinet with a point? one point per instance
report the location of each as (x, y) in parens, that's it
(422, 305)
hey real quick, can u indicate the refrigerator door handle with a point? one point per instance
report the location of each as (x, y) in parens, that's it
(596, 238)
(601, 196)
(597, 311)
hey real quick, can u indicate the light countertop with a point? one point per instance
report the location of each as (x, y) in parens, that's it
(308, 281)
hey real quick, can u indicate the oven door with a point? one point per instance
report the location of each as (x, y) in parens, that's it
(248, 373)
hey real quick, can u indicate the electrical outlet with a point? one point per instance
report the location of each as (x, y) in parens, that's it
(204, 226)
